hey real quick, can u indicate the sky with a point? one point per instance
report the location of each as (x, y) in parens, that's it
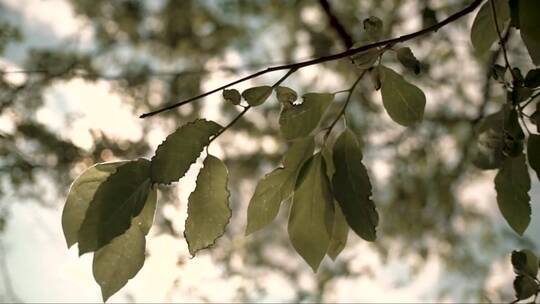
(42, 269)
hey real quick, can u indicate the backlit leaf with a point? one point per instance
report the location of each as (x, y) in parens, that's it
(365, 60)
(312, 213)
(116, 201)
(208, 206)
(514, 13)
(525, 287)
(525, 262)
(483, 30)
(533, 153)
(512, 184)
(232, 96)
(407, 59)
(120, 260)
(286, 95)
(300, 120)
(403, 101)
(277, 186)
(529, 22)
(339, 234)
(80, 194)
(374, 28)
(532, 80)
(352, 188)
(257, 95)
(181, 149)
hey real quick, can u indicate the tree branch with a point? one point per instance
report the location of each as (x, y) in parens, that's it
(471, 7)
(344, 108)
(230, 124)
(502, 41)
(336, 24)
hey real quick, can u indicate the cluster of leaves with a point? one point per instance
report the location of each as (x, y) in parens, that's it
(526, 283)
(500, 137)
(111, 206)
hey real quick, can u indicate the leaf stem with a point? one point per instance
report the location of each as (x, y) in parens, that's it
(230, 124)
(344, 108)
(531, 99)
(501, 40)
(246, 108)
(298, 65)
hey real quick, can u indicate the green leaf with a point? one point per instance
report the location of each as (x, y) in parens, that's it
(525, 262)
(535, 119)
(374, 28)
(339, 234)
(365, 60)
(119, 261)
(146, 218)
(286, 95)
(483, 31)
(408, 60)
(277, 186)
(513, 139)
(514, 13)
(208, 206)
(257, 95)
(532, 80)
(533, 153)
(300, 120)
(403, 101)
(525, 287)
(232, 96)
(512, 184)
(529, 22)
(340, 230)
(352, 188)
(429, 17)
(181, 149)
(312, 212)
(116, 201)
(488, 150)
(511, 124)
(80, 194)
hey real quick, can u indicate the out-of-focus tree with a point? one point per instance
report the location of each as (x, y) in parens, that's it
(155, 53)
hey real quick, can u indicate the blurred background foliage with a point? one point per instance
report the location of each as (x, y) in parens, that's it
(157, 52)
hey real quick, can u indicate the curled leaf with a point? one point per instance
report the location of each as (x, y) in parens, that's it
(232, 96)
(374, 28)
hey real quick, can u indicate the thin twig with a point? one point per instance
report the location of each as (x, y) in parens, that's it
(531, 99)
(344, 108)
(471, 7)
(289, 73)
(501, 40)
(230, 124)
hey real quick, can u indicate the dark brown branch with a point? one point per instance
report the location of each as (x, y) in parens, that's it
(471, 7)
(344, 35)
